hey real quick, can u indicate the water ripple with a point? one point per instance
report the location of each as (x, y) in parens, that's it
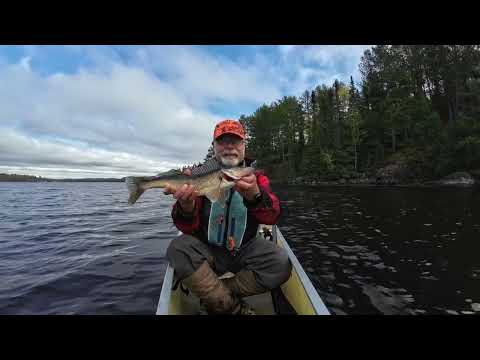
(387, 250)
(78, 248)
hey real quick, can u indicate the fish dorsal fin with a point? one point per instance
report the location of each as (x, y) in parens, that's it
(208, 167)
(172, 172)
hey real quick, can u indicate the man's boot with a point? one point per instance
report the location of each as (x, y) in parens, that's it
(244, 284)
(212, 292)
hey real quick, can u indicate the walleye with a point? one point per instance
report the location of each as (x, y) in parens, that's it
(213, 184)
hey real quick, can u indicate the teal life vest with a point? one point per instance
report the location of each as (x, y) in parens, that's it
(226, 225)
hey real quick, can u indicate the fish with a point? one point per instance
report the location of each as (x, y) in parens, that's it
(212, 183)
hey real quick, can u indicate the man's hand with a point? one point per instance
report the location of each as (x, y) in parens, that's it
(247, 187)
(185, 195)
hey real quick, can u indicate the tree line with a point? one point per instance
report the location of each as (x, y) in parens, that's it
(415, 104)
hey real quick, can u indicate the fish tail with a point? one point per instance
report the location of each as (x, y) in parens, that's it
(134, 188)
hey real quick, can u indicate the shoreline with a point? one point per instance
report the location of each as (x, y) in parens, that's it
(459, 179)
(429, 184)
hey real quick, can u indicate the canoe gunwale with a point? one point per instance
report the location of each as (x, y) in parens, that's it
(166, 292)
(310, 290)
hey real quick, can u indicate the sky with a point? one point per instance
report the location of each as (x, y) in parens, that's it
(114, 111)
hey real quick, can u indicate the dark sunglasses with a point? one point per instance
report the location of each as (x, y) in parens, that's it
(233, 140)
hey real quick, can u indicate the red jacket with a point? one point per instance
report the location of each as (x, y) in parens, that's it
(267, 212)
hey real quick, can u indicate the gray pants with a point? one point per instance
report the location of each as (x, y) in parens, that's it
(269, 263)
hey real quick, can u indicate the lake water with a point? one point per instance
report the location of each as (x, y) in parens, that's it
(385, 250)
(77, 248)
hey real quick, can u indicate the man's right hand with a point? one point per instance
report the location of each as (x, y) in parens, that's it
(185, 195)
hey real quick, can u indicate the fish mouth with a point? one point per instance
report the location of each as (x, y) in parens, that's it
(229, 177)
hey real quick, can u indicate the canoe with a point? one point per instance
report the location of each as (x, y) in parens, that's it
(297, 296)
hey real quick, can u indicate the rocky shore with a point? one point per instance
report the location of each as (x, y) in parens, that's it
(393, 175)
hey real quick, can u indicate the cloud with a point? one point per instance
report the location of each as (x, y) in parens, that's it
(324, 55)
(203, 78)
(321, 64)
(329, 55)
(286, 49)
(19, 151)
(133, 110)
(124, 109)
(25, 62)
(111, 115)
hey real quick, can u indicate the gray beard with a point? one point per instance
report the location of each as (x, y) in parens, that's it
(229, 163)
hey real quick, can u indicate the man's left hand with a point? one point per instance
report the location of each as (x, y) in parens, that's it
(247, 187)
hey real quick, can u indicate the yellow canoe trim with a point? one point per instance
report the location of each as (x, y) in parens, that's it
(296, 294)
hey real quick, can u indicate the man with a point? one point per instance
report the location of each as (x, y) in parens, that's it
(258, 265)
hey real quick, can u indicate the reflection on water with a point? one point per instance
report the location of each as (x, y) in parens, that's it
(387, 250)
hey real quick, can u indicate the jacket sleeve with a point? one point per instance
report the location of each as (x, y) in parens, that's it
(187, 223)
(268, 210)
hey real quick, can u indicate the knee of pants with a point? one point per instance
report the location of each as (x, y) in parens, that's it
(278, 272)
(180, 245)
(284, 267)
(185, 254)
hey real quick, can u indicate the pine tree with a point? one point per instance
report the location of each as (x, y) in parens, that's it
(210, 154)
